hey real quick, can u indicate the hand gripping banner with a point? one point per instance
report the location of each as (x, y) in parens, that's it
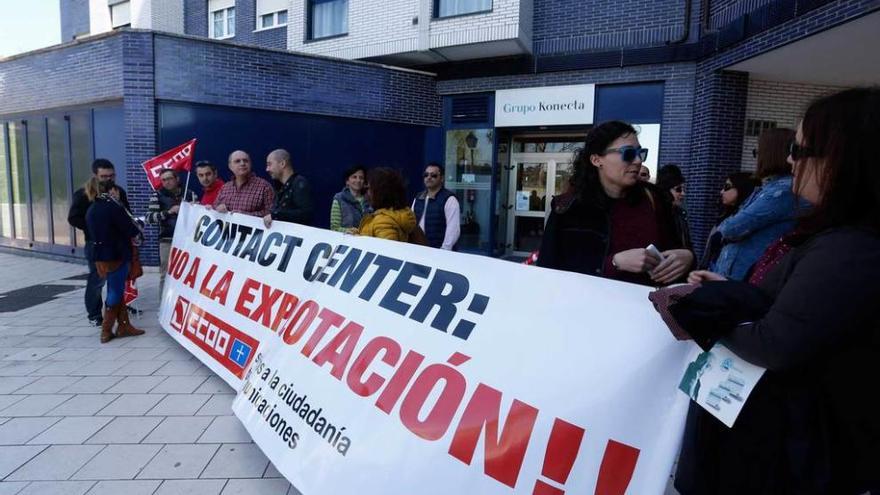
(376, 367)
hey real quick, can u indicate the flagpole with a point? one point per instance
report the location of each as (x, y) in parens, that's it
(186, 187)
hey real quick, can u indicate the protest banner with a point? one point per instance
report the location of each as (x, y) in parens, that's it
(178, 158)
(376, 367)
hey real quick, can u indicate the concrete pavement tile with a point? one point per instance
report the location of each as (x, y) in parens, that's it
(57, 368)
(12, 383)
(76, 354)
(57, 462)
(37, 339)
(217, 405)
(293, 491)
(191, 487)
(179, 405)
(131, 405)
(118, 462)
(73, 430)
(139, 368)
(92, 385)
(83, 405)
(185, 368)
(57, 488)
(272, 472)
(179, 429)
(257, 486)
(126, 430)
(179, 462)
(179, 385)
(225, 429)
(136, 384)
(175, 354)
(49, 385)
(13, 457)
(32, 354)
(86, 342)
(11, 487)
(34, 405)
(8, 400)
(128, 487)
(152, 340)
(17, 431)
(237, 460)
(145, 354)
(98, 368)
(21, 368)
(215, 385)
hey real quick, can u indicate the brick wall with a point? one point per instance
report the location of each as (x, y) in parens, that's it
(221, 73)
(722, 12)
(562, 26)
(780, 102)
(195, 17)
(195, 23)
(383, 27)
(74, 18)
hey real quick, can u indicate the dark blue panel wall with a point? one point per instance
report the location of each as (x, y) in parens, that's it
(322, 147)
(633, 103)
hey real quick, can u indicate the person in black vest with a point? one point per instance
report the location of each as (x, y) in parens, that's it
(438, 210)
(104, 172)
(293, 201)
(162, 211)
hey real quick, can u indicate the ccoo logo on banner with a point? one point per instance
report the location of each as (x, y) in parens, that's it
(377, 367)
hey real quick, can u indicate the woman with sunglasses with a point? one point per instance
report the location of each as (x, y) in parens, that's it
(765, 216)
(811, 424)
(604, 223)
(671, 182)
(737, 188)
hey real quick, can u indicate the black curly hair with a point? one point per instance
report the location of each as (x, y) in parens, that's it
(585, 182)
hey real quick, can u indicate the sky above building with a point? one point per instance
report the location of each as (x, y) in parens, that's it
(27, 25)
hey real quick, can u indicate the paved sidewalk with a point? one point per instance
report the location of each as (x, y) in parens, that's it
(134, 416)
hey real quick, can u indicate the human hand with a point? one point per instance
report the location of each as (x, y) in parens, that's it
(699, 276)
(173, 210)
(636, 260)
(351, 231)
(222, 209)
(267, 220)
(676, 262)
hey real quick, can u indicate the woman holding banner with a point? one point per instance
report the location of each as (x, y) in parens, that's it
(811, 425)
(606, 221)
(112, 229)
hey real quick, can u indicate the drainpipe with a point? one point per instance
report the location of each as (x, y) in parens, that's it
(686, 33)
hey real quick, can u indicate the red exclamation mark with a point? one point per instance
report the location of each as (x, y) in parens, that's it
(562, 450)
(616, 471)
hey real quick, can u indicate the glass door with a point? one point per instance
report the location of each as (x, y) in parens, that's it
(534, 179)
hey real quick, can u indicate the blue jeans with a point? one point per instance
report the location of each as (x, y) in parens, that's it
(116, 285)
(94, 285)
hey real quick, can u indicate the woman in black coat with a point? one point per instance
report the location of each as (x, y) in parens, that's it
(812, 423)
(112, 229)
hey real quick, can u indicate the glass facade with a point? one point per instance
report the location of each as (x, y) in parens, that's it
(43, 158)
(469, 175)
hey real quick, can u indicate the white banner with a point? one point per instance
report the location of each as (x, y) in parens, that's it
(371, 366)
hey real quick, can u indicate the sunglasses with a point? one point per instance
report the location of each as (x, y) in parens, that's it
(629, 153)
(727, 187)
(427, 174)
(798, 152)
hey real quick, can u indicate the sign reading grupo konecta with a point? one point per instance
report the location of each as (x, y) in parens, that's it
(376, 367)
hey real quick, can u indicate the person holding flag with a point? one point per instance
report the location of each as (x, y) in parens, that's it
(162, 211)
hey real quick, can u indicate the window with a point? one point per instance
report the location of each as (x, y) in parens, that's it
(448, 8)
(327, 18)
(221, 19)
(271, 13)
(120, 14)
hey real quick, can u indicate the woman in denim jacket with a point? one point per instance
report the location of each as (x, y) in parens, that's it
(767, 215)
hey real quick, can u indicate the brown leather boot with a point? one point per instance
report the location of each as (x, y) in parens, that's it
(110, 316)
(125, 328)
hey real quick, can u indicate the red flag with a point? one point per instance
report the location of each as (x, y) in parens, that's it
(179, 158)
(131, 292)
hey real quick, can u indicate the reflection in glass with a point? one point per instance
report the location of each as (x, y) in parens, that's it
(81, 155)
(58, 179)
(531, 186)
(5, 217)
(469, 175)
(564, 172)
(39, 195)
(19, 181)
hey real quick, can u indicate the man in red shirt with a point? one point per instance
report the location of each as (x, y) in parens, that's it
(246, 193)
(210, 181)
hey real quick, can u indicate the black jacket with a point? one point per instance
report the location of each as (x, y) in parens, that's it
(112, 230)
(293, 201)
(577, 235)
(811, 425)
(76, 216)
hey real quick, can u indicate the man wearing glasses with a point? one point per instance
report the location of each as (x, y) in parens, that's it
(437, 210)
